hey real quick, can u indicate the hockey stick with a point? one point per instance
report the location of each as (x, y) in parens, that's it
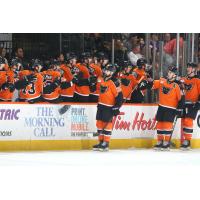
(172, 144)
(124, 101)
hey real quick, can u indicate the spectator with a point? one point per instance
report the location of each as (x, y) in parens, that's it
(167, 38)
(135, 54)
(3, 54)
(120, 51)
(61, 58)
(169, 53)
(19, 54)
(133, 40)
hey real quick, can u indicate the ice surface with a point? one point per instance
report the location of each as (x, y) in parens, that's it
(131, 157)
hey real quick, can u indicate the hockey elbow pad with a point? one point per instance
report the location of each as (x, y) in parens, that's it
(21, 84)
(65, 85)
(125, 81)
(83, 82)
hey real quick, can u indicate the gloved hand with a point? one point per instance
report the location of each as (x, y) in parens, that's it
(197, 105)
(180, 113)
(75, 80)
(115, 111)
(143, 85)
(125, 81)
(5, 86)
(57, 81)
(30, 78)
(11, 87)
(93, 80)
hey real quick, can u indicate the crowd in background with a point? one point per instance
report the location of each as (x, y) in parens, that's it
(73, 77)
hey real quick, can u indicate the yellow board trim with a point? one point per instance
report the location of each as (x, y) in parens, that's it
(45, 145)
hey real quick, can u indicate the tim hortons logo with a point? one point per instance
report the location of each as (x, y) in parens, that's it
(138, 123)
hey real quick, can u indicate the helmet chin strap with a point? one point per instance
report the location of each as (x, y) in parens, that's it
(171, 79)
(188, 75)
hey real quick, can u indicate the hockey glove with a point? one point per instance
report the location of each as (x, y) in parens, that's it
(75, 80)
(144, 85)
(125, 81)
(30, 78)
(180, 113)
(65, 85)
(197, 105)
(181, 107)
(5, 86)
(11, 87)
(115, 111)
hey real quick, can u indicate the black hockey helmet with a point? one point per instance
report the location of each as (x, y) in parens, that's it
(111, 68)
(191, 64)
(53, 63)
(35, 63)
(16, 65)
(141, 62)
(125, 64)
(15, 62)
(71, 56)
(173, 69)
(85, 55)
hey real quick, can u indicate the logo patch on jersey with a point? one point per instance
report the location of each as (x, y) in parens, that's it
(166, 90)
(188, 87)
(103, 89)
(75, 70)
(91, 70)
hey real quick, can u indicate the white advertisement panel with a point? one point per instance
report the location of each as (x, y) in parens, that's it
(44, 122)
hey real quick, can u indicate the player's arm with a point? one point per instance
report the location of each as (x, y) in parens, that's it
(22, 83)
(48, 89)
(181, 101)
(118, 96)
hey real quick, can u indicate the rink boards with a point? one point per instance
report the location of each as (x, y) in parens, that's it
(42, 127)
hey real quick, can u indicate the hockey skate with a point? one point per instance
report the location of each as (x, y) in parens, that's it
(158, 146)
(185, 145)
(165, 146)
(104, 146)
(97, 146)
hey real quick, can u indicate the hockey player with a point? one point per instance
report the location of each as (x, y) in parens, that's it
(192, 103)
(95, 73)
(170, 99)
(139, 72)
(101, 59)
(110, 101)
(6, 82)
(30, 83)
(128, 81)
(67, 86)
(81, 79)
(51, 85)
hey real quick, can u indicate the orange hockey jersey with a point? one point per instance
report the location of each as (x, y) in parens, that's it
(128, 89)
(6, 77)
(49, 77)
(83, 90)
(67, 76)
(192, 89)
(169, 93)
(98, 73)
(34, 89)
(108, 92)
